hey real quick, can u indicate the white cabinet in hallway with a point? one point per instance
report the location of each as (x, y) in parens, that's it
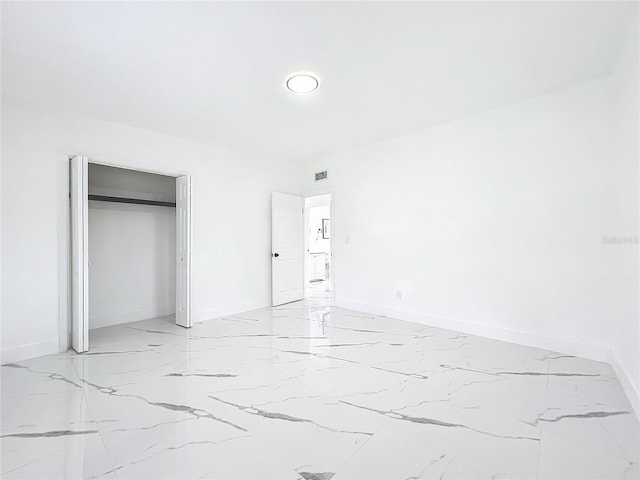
(318, 263)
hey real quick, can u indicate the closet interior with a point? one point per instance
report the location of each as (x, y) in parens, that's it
(132, 245)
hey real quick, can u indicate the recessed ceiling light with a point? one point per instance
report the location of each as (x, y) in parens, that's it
(302, 82)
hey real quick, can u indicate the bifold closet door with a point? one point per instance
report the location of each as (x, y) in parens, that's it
(183, 251)
(79, 195)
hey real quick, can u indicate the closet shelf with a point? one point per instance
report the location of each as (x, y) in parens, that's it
(139, 201)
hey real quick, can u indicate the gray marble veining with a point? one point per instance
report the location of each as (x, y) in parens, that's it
(310, 391)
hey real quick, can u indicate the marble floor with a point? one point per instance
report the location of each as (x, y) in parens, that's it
(309, 391)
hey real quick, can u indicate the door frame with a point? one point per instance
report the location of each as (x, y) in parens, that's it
(78, 254)
(75, 307)
(314, 193)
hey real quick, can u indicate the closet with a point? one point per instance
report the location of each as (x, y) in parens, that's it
(131, 245)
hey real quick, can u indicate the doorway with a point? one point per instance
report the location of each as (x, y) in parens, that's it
(318, 261)
(155, 210)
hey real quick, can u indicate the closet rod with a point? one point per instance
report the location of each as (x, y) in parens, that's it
(139, 201)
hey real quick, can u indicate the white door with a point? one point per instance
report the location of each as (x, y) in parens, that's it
(287, 258)
(79, 254)
(183, 251)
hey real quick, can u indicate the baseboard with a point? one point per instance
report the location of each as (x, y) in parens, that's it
(227, 311)
(599, 353)
(31, 350)
(127, 317)
(630, 388)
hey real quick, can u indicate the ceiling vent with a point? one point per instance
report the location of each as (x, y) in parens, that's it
(321, 176)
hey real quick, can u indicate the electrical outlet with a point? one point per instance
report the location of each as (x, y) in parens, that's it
(399, 294)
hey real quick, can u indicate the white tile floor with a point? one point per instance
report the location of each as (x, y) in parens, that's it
(307, 391)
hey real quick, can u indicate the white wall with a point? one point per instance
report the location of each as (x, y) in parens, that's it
(623, 212)
(231, 207)
(132, 255)
(131, 247)
(493, 224)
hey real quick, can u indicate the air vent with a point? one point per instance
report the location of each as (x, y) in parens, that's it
(321, 176)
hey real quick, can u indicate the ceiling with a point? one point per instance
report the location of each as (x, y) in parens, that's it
(213, 71)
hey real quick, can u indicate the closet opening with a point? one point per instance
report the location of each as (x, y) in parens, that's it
(131, 247)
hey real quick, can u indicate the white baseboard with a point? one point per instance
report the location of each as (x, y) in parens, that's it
(227, 311)
(599, 353)
(629, 386)
(32, 350)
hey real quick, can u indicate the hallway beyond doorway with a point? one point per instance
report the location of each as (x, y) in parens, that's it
(318, 245)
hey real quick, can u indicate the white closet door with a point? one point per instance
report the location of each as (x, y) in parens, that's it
(287, 254)
(183, 251)
(79, 254)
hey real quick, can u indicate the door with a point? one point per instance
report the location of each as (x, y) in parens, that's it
(79, 192)
(287, 257)
(183, 251)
